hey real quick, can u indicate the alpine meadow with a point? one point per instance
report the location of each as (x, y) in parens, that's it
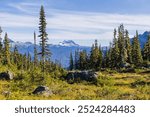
(119, 71)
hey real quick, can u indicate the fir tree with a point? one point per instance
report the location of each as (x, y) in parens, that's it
(121, 45)
(44, 38)
(76, 59)
(136, 52)
(115, 51)
(83, 60)
(71, 62)
(147, 49)
(100, 57)
(6, 50)
(128, 47)
(95, 57)
(15, 55)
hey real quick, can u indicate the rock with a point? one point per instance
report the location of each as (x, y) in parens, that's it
(126, 65)
(6, 75)
(6, 93)
(81, 75)
(43, 90)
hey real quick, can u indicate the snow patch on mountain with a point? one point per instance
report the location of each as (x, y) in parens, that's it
(68, 43)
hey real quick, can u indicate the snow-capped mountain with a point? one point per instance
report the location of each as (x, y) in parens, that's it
(68, 43)
(60, 52)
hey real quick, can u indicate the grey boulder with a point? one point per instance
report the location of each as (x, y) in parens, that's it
(6, 75)
(42, 90)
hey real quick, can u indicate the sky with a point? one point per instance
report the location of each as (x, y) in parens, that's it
(82, 21)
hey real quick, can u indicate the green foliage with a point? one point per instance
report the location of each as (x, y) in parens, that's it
(136, 52)
(146, 50)
(6, 50)
(45, 53)
(71, 62)
(104, 81)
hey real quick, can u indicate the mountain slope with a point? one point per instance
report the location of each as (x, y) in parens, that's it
(143, 38)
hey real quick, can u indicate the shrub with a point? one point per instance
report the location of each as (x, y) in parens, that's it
(104, 81)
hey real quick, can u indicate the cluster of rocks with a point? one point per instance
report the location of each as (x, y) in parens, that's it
(81, 75)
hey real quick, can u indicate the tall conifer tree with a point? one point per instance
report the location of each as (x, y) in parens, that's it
(136, 52)
(71, 62)
(147, 49)
(6, 50)
(44, 38)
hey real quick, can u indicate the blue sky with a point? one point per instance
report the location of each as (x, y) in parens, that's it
(80, 20)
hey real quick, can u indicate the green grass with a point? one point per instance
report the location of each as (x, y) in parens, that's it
(109, 86)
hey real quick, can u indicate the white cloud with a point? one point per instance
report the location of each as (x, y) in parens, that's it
(71, 24)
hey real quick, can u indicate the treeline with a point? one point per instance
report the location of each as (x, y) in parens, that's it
(122, 52)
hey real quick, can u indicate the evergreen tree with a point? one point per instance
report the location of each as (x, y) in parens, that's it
(44, 38)
(136, 52)
(83, 60)
(100, 57)
(115, 51)
(121, 45)
(6, 50)
(76, 59)
(147, 49)
(35, 51)
(95, 57)
(71, 62)
(15, 55)
(109, 56)
(128, 47)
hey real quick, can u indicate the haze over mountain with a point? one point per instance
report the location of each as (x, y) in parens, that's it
(61, 51)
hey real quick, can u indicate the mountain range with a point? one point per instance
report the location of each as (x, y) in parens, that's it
(61, 52)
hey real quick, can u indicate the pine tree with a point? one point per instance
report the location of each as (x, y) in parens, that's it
(121, 45)
(6, 50)
(71, 62)
(109, 56)
(128, 47)
(147, 49)
(136, 52)
(106, 58)
(115, 51)
(83, 60)
(95, 57)
(35, 51)
(76, 59)
(15, 55)
(44, 38)
(100, 57)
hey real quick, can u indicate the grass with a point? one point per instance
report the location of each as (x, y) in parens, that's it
(109, 86)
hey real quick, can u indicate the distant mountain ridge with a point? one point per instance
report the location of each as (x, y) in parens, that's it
(61, 51)
(143, 38)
